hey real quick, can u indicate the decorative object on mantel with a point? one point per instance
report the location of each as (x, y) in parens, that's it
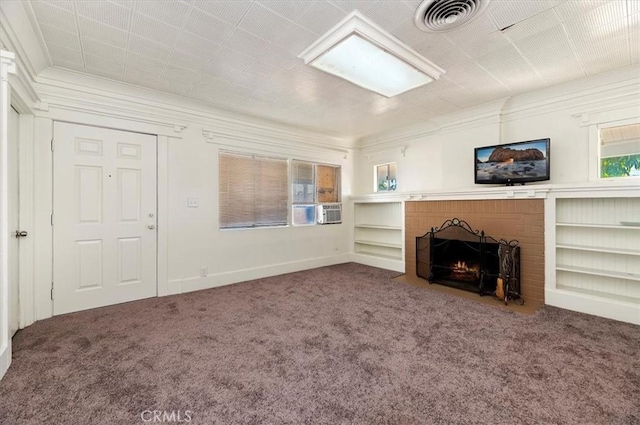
(456, 255)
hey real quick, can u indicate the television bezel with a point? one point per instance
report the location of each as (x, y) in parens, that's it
(518, 180)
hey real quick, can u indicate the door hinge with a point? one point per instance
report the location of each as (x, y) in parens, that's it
(52, 219)
(51, 291)
(52, 145)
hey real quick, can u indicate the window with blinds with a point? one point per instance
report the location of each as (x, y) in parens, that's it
(253, 191)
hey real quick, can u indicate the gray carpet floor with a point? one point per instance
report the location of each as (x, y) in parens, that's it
(335, 345)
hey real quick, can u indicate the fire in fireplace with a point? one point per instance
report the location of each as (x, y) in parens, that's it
(456, 255)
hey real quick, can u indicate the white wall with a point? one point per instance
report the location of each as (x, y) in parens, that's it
(195, 240)
(438, 155)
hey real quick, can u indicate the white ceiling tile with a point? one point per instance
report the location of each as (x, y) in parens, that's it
(409, 34)
(229, 11)
(278, 57)
(188, 61)
(96, 48)
(181, 75)
(586, 34)
(505, 13)
(474, 30)
(54, 16)
(97, 31)
(61, 63)
(155, 30)
(65, 54)
(349, 6)
(390, 14)
(633, 7)
(105, 12)
(296, 39)
(287, 9)
(150, 49)
(533, 25)
(486, 44)
(207, 26)
(320, 17)
(63, 4)
(263, 23)
(124, 3)
(570, 9)
(451, 58)
(196, 45)
(510, 68)
(434, 45)
(170, 12)
(60, 37)
(110, 64)
(140, 77)
(594, 18)
(233, 59)
(104, 72)
(246, 43)
(144, 64)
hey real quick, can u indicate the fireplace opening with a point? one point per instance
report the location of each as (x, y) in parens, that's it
(464, 264)
(456, 255)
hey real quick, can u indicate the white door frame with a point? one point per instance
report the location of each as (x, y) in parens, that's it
(7, 66)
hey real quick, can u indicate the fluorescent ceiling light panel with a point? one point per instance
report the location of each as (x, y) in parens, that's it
(364, 54)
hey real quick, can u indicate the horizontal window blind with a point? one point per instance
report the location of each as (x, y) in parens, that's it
(252, 190)
(302, 182)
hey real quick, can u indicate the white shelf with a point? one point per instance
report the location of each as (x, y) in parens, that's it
(386, 257)
(599, 249)
(379, 232)
(599, 272)
(600, 294)
(376, 243)
(377, 226)
(598, 226)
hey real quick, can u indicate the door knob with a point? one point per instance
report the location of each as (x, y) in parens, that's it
(151, 226)
(21, 233)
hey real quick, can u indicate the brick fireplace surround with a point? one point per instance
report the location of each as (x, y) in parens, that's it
(521, 219)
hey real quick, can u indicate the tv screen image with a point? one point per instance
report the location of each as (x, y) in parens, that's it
(513, 163)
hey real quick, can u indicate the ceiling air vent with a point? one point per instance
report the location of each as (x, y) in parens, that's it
(444, 15)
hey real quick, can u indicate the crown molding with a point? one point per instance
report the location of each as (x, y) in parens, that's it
(61, 88)
(488, 114)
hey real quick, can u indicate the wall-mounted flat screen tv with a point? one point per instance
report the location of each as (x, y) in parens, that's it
(513, 163)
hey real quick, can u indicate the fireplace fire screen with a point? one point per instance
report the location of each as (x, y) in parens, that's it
(456, 255)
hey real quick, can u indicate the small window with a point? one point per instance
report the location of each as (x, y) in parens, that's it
(386, 177)
(312, 184)
(327, 184)
(620, 151)
(252, 190)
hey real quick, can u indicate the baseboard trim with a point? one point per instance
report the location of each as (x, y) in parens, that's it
(596, 306)
(178, 286)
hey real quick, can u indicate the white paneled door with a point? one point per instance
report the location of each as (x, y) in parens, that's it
(104, 217)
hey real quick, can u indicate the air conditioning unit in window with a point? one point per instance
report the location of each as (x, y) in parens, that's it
(329, 213)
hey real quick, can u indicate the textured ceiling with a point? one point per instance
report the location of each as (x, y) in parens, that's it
(242, 55)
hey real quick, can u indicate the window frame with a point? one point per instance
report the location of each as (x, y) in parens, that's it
(595, 150)
(316, 201)
(376, 188)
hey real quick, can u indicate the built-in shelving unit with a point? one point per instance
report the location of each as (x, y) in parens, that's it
(597, 250)
(379, 233)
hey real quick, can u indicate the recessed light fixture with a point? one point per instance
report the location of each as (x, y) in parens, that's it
(364, 54)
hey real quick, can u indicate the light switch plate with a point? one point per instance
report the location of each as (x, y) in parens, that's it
(193, 203)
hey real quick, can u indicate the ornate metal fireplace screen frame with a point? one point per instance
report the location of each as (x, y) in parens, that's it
(508, 253)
